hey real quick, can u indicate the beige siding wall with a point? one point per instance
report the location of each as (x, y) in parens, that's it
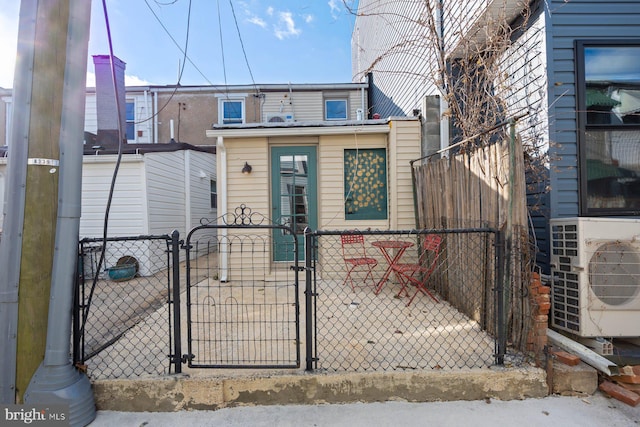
(331, 180)
(251, 190)
(404, 146)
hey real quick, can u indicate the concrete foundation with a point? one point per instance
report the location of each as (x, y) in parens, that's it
(168, 394)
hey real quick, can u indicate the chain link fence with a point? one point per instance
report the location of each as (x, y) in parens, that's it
(122, 320)
(371, 318)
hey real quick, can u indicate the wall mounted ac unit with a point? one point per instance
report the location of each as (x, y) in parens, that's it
(279, 118)
(596, 276)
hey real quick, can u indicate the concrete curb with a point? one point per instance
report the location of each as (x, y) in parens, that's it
(175, 393)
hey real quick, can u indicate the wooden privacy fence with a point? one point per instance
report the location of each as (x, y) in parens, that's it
(481, 187)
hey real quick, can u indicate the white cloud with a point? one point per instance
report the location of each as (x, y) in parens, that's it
(8, 47)
(308, 18)
(286, 26)
(335, 9)
(270, 11)
(258, 21)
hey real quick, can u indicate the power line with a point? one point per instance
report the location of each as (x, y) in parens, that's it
(244, 52)
(175, 42)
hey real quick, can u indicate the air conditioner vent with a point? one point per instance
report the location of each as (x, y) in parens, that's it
(279, 118)
(596, 276)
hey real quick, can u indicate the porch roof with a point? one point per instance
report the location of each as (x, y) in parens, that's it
(315, 128)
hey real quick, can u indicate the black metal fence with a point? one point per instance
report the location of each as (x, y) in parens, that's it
(123, 316)
(374, 318)
(397, 304)
(242, 305)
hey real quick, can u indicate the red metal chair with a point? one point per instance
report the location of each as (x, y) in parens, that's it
(355, 255)
(417, 274)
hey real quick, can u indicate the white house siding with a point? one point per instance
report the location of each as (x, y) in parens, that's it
(90, 113)
(397, 51)
(201, 169)
(523, 83)
(166, 192)
(128, 211)
(3, 171)
(568, 22)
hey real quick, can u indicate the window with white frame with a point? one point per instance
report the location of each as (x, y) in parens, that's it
(231, 111)
(335, 109)
(131, 120)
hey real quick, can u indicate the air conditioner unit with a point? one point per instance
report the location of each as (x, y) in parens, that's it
(279, 118)
(596, 276)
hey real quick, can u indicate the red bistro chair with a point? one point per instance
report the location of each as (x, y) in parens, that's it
(355, 255)
(418, 274)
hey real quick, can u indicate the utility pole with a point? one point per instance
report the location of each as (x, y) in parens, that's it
(41, 190)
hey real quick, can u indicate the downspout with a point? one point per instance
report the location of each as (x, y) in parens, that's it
(56, 380)
(187, 190)
(221, 151)
(444, 105)
(146, 109)
(11, 243)
(155, 115)
(415, 194)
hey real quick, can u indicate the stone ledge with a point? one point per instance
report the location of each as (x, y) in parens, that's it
(577, 380)
(167, 394)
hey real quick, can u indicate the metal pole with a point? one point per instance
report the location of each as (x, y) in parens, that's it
(501, 336)
(308, 293)
(11, 243)
(56, 381)
(177, 337)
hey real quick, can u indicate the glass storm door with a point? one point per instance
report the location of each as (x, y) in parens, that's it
(293, 196)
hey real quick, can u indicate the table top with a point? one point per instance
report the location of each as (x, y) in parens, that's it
(392, 244)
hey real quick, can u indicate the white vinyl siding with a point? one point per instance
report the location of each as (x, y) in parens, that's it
(128, 210)
(165, 183)
(91, 113)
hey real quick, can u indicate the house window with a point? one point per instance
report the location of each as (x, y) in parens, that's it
(231, 111)
(365, 184)
(335, 109)
(214, 194)
(131, 120)
(609, 118)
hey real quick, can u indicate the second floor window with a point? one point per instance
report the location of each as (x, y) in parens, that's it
(231, 111)
(335, 109)
(131, 120)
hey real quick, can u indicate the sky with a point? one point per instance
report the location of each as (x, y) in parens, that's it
(235, 42)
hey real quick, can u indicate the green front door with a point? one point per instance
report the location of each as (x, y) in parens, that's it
(293, 196)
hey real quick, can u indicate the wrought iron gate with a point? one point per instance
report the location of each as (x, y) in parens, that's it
(242, 306)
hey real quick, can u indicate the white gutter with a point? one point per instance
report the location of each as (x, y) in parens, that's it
(221, 154)
(263, 88)
(587, 355)
(187, 190)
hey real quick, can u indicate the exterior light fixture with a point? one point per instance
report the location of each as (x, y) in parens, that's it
(246, 170)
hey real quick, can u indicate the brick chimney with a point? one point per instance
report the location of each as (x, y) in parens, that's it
(106, 107)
